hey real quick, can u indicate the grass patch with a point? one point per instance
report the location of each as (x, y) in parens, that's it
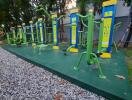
(128, 53)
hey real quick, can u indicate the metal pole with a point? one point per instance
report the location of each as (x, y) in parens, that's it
(100, 37)
(24, 34)
(20, 32)
(90, 36)
(41, 30)
(37, 32)
(45, 33)
(8, 38)
(31, 27)
(14, 34)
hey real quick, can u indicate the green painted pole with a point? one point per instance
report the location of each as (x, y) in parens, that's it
(20, 32)
(45, 33)
(90, 36)
(100, 37)
(8, 38)
(37, 32)
(14, 34)
(40, 30)
(24, 34)
(19, 35)
(32, 34)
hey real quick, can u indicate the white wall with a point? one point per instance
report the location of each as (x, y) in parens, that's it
(122, 10)
(71, 4)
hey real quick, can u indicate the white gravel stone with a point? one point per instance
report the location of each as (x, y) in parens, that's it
(20, 80)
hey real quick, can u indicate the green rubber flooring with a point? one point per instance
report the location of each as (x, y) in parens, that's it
(87, 76)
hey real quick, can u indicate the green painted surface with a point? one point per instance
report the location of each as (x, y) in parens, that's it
(87, 77)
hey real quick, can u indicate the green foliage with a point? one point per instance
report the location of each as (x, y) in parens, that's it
(21, 10)
(3, 10)
(18, 11)
(128, 2)
(13, 11)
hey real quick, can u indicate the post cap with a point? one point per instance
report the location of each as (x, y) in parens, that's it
(53, 15)
(23, 24)
(12, 27)
(18, 26)
(40, 19)
(31, 22)
(74, 10)
(90, 10)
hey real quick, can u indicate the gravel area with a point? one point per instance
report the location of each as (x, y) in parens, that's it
(20, 80)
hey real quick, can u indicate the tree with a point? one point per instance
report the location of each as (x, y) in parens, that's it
(18, 11)
(130, 27)
(21, 11)
(4, 8)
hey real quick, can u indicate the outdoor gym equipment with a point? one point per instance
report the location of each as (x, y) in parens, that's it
(41, 27)
(55, 30)
(24, 38)
(35, 37)
(21, 36)
(14, 35)
(90, 56)
(24, 32)
(105, 35)
(32, 33)
(74, 19)
(41, 31)
(16, 38)
(11, 38)
(41, 34)
(107, 27)
(29, 33)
